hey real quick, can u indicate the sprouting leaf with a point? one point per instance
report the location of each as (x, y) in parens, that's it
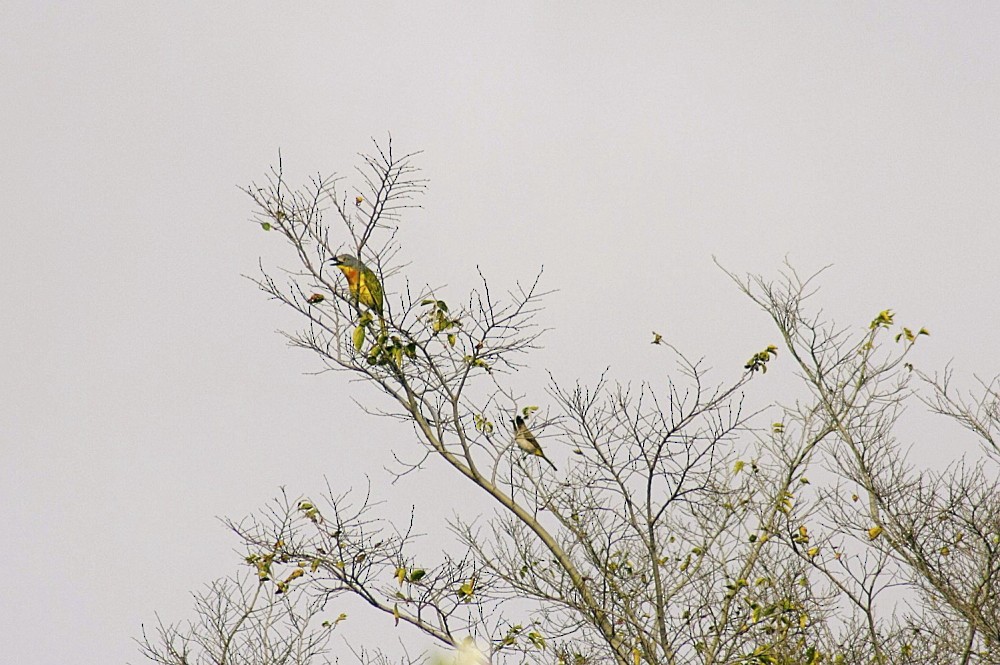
(358, 337)
(452, 339)
(400, 575)
(883, 320)
(266, 226)
(395, 613)
(657, 338)
(358, 200)
(874, 532)
(483, 424)
(472, 361)
(813, 551)
(738, 466)
(466, 591)
(758, 362)
(528, 410)
(417, 574)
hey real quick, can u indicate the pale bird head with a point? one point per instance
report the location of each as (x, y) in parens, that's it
(346, 260)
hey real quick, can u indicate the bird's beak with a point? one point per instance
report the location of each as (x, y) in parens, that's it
(334, 261)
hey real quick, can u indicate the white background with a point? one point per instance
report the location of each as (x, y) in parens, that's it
(144, 392)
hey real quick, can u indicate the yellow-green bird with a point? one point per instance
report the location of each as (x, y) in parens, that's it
(527, 442)
(361, 281)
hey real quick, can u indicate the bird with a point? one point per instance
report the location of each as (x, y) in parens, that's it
(361, 281)
(527, 442)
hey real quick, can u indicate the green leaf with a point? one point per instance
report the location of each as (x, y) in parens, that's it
(452, 339)
(266, 226)
(358, 338)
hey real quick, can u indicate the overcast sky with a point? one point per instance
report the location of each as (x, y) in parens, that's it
(144, 391)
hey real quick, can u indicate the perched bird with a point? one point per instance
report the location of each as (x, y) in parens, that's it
(361, 281)
(527, 442)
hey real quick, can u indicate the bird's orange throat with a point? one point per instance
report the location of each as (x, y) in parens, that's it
(353, 276)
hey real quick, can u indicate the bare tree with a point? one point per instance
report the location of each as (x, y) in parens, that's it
(683, 527)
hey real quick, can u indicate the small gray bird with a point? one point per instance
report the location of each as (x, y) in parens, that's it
(527, 442)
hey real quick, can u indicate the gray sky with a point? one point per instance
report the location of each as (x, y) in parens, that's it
(145, 392)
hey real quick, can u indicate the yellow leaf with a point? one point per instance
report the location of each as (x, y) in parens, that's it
(738, 466)
(400, 575)
(358, 337)
(466, 591)
(813, 551)
(874, 532)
